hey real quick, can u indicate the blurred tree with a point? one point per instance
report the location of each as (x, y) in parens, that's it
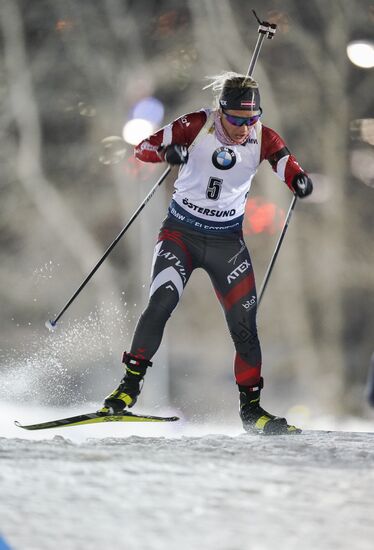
(71, 73)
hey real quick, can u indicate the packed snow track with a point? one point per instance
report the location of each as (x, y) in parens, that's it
(210, 492)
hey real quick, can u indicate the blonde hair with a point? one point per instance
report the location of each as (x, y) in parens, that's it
(227, 80)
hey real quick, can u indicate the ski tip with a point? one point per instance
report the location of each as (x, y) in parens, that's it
(164, 418)
(19, 425)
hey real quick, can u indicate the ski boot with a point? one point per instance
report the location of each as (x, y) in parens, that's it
(130, 386)
(255, 419)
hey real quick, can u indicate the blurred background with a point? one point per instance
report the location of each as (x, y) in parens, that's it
(82, 81)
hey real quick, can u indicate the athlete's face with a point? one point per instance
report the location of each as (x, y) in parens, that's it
(231, 120)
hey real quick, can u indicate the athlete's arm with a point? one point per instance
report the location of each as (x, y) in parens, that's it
(182, 132)
(274, 150)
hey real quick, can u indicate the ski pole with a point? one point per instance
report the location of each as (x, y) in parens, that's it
(276, 251)
(50, 324)
(265, 30)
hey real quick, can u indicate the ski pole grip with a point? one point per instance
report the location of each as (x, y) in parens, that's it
(268, 29)
(271, 30)
(265, 28)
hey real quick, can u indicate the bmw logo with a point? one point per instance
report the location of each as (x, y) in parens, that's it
(224, 158)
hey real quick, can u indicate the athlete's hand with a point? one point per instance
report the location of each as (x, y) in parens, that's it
(174, 154)
(302, 185)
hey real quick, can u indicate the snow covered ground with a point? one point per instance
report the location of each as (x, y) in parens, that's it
(184, 487)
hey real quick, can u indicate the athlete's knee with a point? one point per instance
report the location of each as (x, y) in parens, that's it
(243, 328)
(253, 339)
(245, 338)
(162, 303)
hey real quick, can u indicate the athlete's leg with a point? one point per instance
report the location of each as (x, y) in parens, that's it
(232, 275)
(230, 268)
(172, 267)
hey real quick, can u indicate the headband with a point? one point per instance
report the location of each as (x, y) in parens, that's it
(243, 98)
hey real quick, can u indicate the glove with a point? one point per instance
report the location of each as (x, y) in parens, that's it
(302, 185)
(174, 153)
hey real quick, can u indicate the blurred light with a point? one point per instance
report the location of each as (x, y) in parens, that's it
(113, 150)
(362, 129)
(64, 25)
(136, 130)
(140, 170)
(133, 166)
(85, 109)
(262, 216)
(361, 53)
(362, 165)
(150, 109)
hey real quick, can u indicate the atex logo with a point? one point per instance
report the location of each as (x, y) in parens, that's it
(249, 304)
(240, 269)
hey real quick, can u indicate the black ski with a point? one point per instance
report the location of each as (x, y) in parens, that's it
(95, 418)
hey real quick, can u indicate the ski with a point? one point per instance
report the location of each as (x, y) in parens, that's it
(95, 418)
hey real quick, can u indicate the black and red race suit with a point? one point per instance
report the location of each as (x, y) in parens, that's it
(204, 229)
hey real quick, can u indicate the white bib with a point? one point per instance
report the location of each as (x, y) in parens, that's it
(212, 187)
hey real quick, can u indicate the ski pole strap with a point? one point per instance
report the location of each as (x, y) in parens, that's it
(266, 28)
